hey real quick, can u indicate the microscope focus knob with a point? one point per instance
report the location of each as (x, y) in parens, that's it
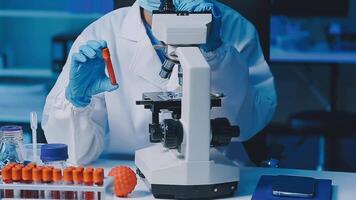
(155, 133)
(223, 132)
(173, 133)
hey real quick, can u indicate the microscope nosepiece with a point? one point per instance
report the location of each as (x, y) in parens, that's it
(167, 69)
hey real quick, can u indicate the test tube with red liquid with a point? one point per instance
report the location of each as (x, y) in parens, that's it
(109, 66)
(7, 179)
(27, 179)
(68, 180)
(78, 180)
(57, 179)
(88, 181)
(16, 173)
(99, 179)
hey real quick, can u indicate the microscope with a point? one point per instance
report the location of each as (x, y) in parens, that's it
(183, 162)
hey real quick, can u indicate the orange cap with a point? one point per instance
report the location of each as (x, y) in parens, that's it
(90, 168)
(11, 165)
(16, 173)
(78, 175)
(7, 174)
(88, 175)
(47, 174)
(19, 165)
(31, 165)
(81, 168)
(27, 174)
(68, 174)
(37, 174)
(57, 175)
(99, 176)
(106, 53)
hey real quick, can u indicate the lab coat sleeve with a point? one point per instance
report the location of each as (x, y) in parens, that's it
(244, 77)
(82, 129)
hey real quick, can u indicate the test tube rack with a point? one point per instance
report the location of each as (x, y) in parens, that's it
(108, 182)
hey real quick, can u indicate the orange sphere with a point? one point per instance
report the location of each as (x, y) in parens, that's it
(124, 180)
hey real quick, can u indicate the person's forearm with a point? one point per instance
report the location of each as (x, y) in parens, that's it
(229, 75)
(247, 103)
(81, 129)
(257, 109)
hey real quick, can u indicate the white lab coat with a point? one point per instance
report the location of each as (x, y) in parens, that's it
(113, 123)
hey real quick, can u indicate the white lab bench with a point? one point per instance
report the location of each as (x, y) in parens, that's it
(344, 184)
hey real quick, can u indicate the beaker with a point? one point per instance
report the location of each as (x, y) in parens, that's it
(11, 150)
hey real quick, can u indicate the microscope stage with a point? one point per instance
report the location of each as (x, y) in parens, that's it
(169, 100)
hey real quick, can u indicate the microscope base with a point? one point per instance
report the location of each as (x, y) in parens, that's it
(222, 190)
(168, 175)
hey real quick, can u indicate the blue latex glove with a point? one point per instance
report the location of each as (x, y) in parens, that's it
(87, 74)
(214, 37)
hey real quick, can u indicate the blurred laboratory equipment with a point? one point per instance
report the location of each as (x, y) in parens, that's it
(340, 38)
(60, 47)
(11, 150)
(2, 60)
(289, 35)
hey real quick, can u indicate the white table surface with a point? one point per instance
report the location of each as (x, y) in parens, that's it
(344, 184)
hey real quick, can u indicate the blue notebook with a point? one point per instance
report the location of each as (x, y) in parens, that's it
(263, 190)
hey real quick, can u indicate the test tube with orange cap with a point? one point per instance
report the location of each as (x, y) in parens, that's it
(68, 180)
(57, 179)
(88, 181)
(81, 169)
(47, 178)
(78, 180)
(109, 66)
(37, 179)
(16, 173)
(99, 179)
(27, 179)
(7, 179)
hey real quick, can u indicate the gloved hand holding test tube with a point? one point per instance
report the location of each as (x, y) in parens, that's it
(87, 73)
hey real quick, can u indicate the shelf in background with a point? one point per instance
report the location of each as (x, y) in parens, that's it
(17, 101)
(27, 73)
(48, 14)
(318, 57)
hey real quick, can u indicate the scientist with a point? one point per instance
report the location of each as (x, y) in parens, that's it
(92, 116)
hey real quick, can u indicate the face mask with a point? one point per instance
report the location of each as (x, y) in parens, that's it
(150, 5)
